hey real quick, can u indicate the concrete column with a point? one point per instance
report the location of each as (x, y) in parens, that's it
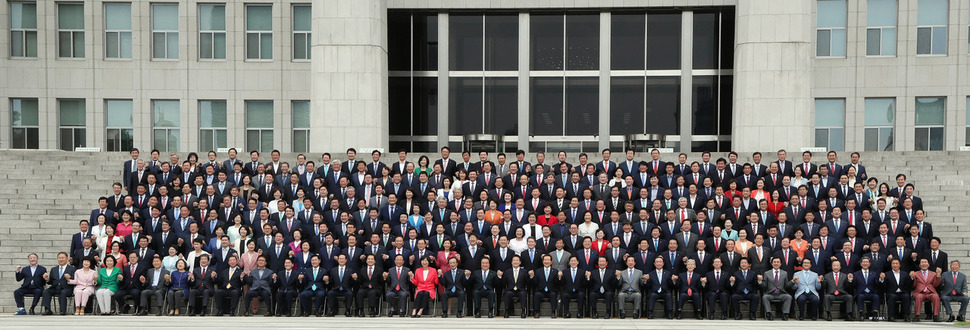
(773, 78)
(349, 75)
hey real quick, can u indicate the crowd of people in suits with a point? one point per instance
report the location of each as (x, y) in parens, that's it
(791, 239)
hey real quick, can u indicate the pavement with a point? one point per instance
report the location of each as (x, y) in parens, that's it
(168, 322)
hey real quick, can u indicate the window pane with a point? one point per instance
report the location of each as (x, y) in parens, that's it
(165, 113)
(119, 113)
(301, 18)
(831, 13)
(301, 114)
(117, 16)
(425, 100)
(23, 15)
(125, 45)
(212, 17)
(821, 137)
(31, 46)
(111, 41)
(259, 114)
(465, 101)
(399, 105)
(872, 139)
(932, 12)
(219, 45)
(880, 112)
(205, 140)
(165, 17)
(628, 42)
(72, 112)
(300, 140)
(626, 105)
(501, 42)
(939, 40)
(930, 110)
(663, 41)
(16, 43)
(398, 41)
(266, 140)
(922, 138)
(968, 111)
(158, 45)
(160, 139)
(547, 42)
(705, 40)
(252, 45)
(936, 138)
(872, 41)
(501, 106)
(830, 113)
(266, 46)
(886, 139)
(881, 13)
(252, 140)
(663, 105)
(705, 105)
(924, 40)
(426, 42)
(889, 41)
(465, 42)
(259, 18)
(582, 42)
(70, 16)
(24, 112)
(838, 42)
(213, 113)
(547, 106)
(582, 106)
(836, 139)
(300, 46)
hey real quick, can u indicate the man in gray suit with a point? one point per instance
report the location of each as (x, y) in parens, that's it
(379, 201)
(954, 289)
(630, 280)
(399, 278)
(684, 212)
(260, 282)
(807, 285)
(835, 290)
(156, 284)
(686, 240)
(560, 257)
(775, 284)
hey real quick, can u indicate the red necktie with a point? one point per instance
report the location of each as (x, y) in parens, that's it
(689, 291)
(836, 276)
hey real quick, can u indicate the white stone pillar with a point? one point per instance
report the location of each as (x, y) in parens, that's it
(349, 75)
(773, 106)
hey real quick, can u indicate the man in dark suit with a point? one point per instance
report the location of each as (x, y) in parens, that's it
(483, 283)
(398, 277)
(745, 283)
(341, 284)
(453, 286)
(288, 286)
(448, 166)
(515, 283)
(228, 283)
(130, 284)
(835, 284)
(201, 284)
(58, 284)
(660, 285)
(314, 288)
(545, 284)
(33, 284)
(602, 285)
(716, 288)
(897, 286)
(87, 249)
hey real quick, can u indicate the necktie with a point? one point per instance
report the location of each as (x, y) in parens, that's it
(954, 282)
(776, 282)
(836, 276)
(228, 282)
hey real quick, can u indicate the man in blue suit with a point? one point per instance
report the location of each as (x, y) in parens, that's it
(806, 290)
(867, 288)
(33, 284)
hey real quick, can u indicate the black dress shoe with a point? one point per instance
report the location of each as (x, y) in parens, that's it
(784, 317)
(568, 315)
(936, 318)
(890, 318)
(622, 315)
(678, 315)
(769, 317)
(723, 316)
(828, 316)
(650, 316)
(491, 314)
(595, 315)
(269, 314)
(461, 315)
(698, 315)
(739, 317)
(49, 312)
(960, 318)
(801, 316)
(907, 319)
(915, 319)
(752, 317)
(478, 315)
(523, 314)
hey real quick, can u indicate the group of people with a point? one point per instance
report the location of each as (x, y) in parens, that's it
(793, 239)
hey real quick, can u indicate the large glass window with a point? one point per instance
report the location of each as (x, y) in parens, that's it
(425, 42)
(413, 98)
(165, 31)
(117, 30)
(259, 125)
(830, 124)
(70, 30)
(881, 28)
(931, 27)
(628, 41)
(212, 31)
(565, 106)
(565, 42)
(120, 128)
(930, 116)
(212, 125)
(71, 122)
(830, 32)
(301, 32)
(483, 42)
(483, 105)
(880, 120)
(25, 123)
(413, 104)
(704, 107)
(301, 126)
(165, 125)
(23, 29)
(707, 39)
(259, 32)
(663, 41)
(967, 143)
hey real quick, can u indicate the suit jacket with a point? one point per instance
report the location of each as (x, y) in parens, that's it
(830, 286)
(769, 286)
(57, 280)
(79, 255)
(454, 283)
(288, 283)
(543, 283)
(951, 287)
(260, 279)
(807, 283)
(203, 281)
(484, 282)
(560, 260)
(606, 283)
(511, 283)
(631, 284)
(927, 283)
(150, 278)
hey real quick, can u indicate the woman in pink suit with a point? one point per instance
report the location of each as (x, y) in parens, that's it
(426, 281)
(446, 253)
(84, 281)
